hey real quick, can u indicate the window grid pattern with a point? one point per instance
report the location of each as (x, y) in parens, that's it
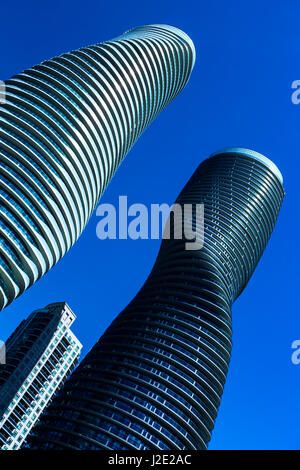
(41, 354)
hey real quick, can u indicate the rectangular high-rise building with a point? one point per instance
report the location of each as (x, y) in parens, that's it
(40, 355)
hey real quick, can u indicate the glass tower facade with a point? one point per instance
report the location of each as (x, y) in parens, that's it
(155, 378)
(40, 354)
(65, 127)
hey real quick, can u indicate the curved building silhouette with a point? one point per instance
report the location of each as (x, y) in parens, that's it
(155, 378)
(65, 127)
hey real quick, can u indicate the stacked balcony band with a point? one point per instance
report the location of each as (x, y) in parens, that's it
(155, 378)
(65, 127)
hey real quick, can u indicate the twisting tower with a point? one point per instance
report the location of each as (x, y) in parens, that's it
(65, 127)
(155, 378)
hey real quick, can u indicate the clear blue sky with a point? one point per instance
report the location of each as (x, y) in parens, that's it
(239, 94)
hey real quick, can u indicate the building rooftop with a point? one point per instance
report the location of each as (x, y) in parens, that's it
(256, 156)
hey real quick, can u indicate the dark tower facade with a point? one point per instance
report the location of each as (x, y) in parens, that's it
(65, 127)
(155, 378)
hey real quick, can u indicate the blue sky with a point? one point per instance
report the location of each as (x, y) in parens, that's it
(239, 94)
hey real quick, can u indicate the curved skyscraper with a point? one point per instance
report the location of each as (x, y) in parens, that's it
(155, 378)
(65, 127)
